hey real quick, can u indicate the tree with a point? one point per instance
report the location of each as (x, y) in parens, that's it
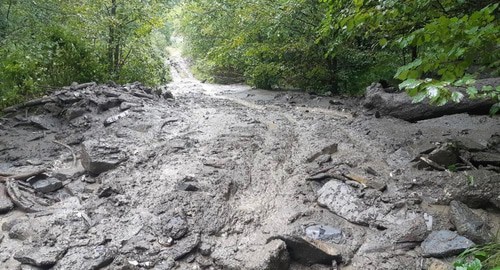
(45, 44)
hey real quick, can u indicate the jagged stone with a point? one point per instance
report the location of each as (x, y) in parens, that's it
(5, 203)
(469, 224)
(272, 256)
(47, 185)
(344, 201)
(444, 243)
(44, 257)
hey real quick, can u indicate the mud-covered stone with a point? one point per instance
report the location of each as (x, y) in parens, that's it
(309, 252)
(175, 227)
(409, 231)
(20, 231)
(47, 185)
(87, 257)
(73, 113)
(469, 224)
(95, 165)
(44, 257)
(184, 246)
(5, 203)
(486, 158)
(272, 256)
(345, 201)
(477, 188)
(444, 156)
(444, 243)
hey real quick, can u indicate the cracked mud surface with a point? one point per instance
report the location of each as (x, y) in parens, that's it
(216, 179)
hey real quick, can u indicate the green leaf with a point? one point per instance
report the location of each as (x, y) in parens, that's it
(410, 84)
(383, 42)
(487, 88)
(457, 97)
(419, 97)
(472, 91)
(495, 108)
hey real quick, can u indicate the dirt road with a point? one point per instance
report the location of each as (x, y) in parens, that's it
(228, 177)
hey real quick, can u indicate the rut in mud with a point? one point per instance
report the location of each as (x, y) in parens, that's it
(228, 177)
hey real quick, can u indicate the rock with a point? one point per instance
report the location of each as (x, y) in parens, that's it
(108, 104)
(476, 189)
(329, 149)
(166, 94)
(400, 105)
(444, 156)
(309, 252)
(20, 231)
(370, 182)
(176, 227)
(324, 233)
(469, 144)
(485, 158)
(73, 113)
(6, 226)
(205, 249)
(272, 256)
(52, 108)
(105, 191)
(75, 86)
(444, 243)
(47, 185)
(127, 105)
(409, 231)
(188, 184)
(95, 167)
(185, 246)
(469, 224)
(345, 201)
(5, 203)
(44, 257)
(87, 257)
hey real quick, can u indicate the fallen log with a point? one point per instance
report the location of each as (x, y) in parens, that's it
(27, 104)
(400, 105)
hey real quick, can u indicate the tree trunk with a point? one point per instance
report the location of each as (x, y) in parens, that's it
(113, 44)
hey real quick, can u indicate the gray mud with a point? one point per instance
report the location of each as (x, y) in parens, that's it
(229, 177)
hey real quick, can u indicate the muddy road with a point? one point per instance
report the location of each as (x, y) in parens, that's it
(229, 177)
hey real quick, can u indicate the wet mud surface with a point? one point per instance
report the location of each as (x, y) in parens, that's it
(229, 177)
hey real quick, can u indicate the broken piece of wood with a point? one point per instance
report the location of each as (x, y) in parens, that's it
(5, 176)
(432, 164)
(16, 196)
(69, 148)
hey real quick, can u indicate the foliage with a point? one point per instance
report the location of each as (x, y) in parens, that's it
(341, 46)
(273, 44)
(46, 44)
(479, 257)
(444, 40)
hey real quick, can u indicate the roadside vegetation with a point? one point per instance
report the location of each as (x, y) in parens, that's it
(47, 44)
(342, 46)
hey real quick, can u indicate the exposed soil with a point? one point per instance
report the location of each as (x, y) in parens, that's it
(229, 177)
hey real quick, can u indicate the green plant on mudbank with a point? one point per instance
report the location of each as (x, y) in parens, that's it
(342, 46)
(46, 44)
(481, 257)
